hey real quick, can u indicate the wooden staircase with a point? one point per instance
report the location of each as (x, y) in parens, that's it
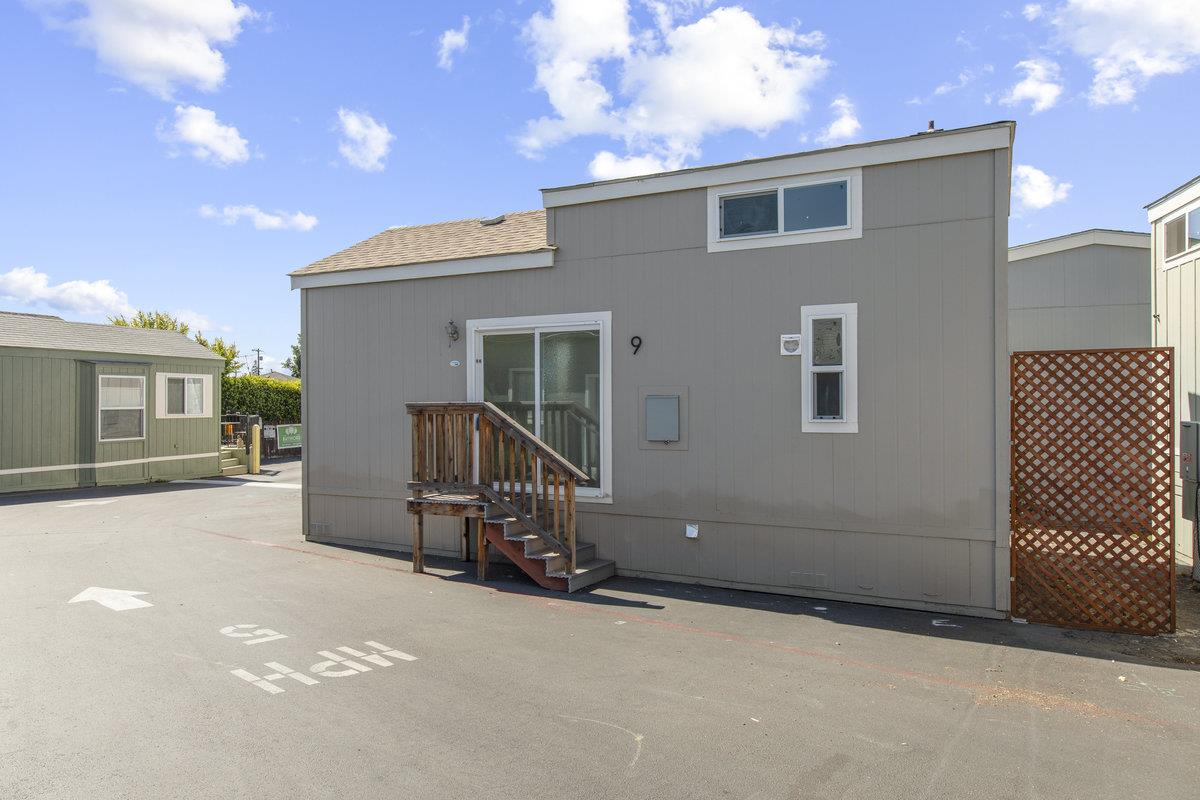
(473, 461)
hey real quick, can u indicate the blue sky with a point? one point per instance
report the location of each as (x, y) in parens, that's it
(184, 155)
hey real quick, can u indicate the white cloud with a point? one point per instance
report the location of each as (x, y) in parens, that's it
(1032, 11)
(1130, 41)
(156, 44)
(845, 125)
(608, 165)
(280, 220)
(663, 90)
(32, 288)
(451, 42)
(199, 323)
(966, 77)
(1041, 85)
(1035, 190)
(208, 138)
(365, 142)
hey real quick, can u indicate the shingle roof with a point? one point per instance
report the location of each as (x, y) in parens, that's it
(43, 332)
(520, 232)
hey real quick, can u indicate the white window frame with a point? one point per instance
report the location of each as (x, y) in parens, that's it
(1188, 253)
(781, 238)
(100, 408)
(160, 395)
(848, 313)
(476, 328)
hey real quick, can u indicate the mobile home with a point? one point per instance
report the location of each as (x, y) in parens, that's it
(786, 374)
(1084, 290)
(83, 404)
(1175, 231)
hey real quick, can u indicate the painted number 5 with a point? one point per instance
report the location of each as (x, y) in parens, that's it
(261, 634)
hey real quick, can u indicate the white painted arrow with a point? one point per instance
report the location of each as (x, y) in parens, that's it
(116, 599)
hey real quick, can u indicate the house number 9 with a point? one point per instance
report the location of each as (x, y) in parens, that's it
(636, 344)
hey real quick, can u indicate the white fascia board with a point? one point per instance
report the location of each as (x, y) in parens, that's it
(1169, 206)
(909, 149)
(433, 269)
(1075, 240)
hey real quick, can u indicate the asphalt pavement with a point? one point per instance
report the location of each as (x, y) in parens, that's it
(212, 653)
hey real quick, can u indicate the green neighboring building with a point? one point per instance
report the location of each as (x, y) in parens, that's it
(83, 404)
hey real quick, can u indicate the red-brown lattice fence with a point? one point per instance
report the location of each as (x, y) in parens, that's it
(1092, 489)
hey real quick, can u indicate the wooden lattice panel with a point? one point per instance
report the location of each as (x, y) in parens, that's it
(1092, 519)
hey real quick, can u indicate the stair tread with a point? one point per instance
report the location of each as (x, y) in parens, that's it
(586, 567)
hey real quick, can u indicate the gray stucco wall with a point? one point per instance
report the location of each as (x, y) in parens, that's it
(1088, 297)
(48, 411)
(905, 512)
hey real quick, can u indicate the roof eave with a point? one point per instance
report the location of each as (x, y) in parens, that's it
(501, 262)
(883, 151)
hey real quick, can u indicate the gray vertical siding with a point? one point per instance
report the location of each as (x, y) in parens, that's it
(1176, 297)
(904, 512)
(1088, 297)
(48, 416)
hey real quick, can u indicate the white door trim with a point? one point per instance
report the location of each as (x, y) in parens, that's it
(476, 328)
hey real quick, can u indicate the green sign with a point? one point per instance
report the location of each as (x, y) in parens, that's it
(287, 436)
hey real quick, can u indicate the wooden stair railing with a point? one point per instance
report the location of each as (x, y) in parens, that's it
(476, 449)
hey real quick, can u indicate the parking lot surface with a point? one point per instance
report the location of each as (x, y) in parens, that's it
(210, 652)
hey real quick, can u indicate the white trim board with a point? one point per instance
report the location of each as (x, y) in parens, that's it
(910, 148)
(1072, 241)
(126, 463)
(431, 269)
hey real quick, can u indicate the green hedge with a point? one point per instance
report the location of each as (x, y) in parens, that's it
(275, 401)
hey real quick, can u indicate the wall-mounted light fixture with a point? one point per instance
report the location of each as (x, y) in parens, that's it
(451, 333)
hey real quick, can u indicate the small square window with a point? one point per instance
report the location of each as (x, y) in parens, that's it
(1193, 228)
(749, 214)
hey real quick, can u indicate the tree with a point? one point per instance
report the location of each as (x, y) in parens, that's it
(162, 321)
(155, 320)
(226, 350)
(292, 363)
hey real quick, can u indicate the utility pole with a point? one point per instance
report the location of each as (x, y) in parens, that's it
(257, 369)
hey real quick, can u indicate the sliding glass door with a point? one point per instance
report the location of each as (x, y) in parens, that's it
(551, 379)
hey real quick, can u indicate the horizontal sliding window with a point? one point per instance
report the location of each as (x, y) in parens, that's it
(780, 211)
(183, 395)
(1181, 234)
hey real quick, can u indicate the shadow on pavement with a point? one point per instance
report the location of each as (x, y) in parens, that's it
(1180, 650)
